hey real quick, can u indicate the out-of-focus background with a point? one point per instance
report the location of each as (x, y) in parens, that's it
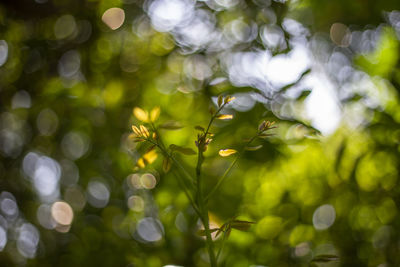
(326, 183)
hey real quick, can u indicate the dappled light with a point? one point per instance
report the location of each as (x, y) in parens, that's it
(199, 133)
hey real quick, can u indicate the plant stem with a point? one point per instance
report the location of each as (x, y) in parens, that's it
(200, 192)
(178, 177)
(203, 209)
(215, 188)
(222, 246)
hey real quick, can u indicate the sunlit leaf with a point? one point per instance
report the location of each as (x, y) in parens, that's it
(154, 114)
(220, 100)
(227, 152)
(253, 148)
(150, 156)
(144, 131)
(262, 126)
(136, 130)
(140, 114)
(225, 117)
(229, 99)
(183, 150)
(140, 163)
(171, 125)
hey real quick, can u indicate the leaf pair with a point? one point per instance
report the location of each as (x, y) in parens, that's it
(141, 132)
(264, 127)
(226, 100)
(144, 116)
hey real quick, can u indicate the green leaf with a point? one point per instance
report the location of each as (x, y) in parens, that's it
(183, 150)
(304, 95)
(166, 165)
(197, 127)
(220, 99)
(241, 225)
(325, 258)
(253, 148)
(171, 125)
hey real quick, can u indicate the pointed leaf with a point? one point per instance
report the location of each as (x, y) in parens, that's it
(144, 131)
(140, 114)
(227, 152)
(220, 99)
(183, 150)
(264, 135)
(225, 117)
(166, 165)
(262, 126)
(171, 125)
(136, 130)
(304, 95)
(253, 148)
(154, 114)
(241, 225)
(229, 99)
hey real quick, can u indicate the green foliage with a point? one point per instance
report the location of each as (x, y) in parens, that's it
(79, 186)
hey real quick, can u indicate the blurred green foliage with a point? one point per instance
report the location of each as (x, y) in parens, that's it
(71, 74)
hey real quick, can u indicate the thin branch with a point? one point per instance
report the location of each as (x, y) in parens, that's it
(221, 180)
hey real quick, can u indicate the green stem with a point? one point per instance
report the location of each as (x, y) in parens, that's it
(220, 181)
(192, 202)
(204, 211)
(200, 192)
(187, 176)
(178, 177)
(222, 246)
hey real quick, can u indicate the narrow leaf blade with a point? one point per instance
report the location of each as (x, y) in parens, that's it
(171, 125)
(225, 117)
(253, 148)
(227, 152)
